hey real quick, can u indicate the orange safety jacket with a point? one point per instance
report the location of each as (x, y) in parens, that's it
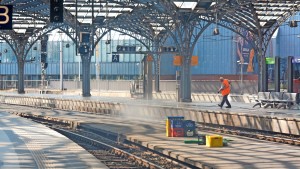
(226, 87)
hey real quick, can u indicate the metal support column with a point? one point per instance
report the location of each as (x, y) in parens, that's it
(185, 81)
(144, 68)
(86, 86)
(290, 74)
(148, 77)
(97, 63)
(97, 67)
(178, 86)
(61, 75)
(186, 52)
(242, 76)
(157, 65)
(263, 76)
(157, 74)
(79, 69)
(21, 77)
(277, 74)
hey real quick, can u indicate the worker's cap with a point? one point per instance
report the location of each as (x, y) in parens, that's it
(221, 78)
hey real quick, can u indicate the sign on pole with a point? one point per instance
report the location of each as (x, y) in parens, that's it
(296, 60)
(115, 58)
(6, 17)
(270, 61)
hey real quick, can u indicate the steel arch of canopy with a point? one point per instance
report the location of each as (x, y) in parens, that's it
(148, 19)
(262, 18)
(137, 15)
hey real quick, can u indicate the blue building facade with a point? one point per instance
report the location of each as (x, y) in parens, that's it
(216, 54)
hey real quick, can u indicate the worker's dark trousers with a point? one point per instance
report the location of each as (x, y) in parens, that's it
(225, 99)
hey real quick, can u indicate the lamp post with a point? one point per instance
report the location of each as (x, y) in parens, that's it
(242, 75)
(1, 87)
(61, 46)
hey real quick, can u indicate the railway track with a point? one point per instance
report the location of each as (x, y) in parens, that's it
(256, 134)
(112, 151)
(111, 156)
(138, 150)
(127, 156)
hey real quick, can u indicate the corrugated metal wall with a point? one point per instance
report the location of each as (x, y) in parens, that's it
(125, 68)
(216, 54)
(289, 40)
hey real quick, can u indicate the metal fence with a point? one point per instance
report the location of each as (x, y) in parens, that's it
(248, 86)
(12, 84)
(203, 86)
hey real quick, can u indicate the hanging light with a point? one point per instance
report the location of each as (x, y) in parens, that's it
(216, 29)
(293, 24)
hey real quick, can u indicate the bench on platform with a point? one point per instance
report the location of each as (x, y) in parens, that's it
(277, 100)
(289, 100)
(262, 99)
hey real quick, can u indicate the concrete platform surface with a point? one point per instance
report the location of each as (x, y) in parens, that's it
(209, 105)
(242, 152)
(25, 144)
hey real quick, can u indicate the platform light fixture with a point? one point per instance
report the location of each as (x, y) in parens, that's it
(107, 42)
(216, 30)
(293, 24)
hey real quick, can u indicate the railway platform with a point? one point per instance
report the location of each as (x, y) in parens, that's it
(26, 144)
(208, 103)
(241, 152)
(240, 115)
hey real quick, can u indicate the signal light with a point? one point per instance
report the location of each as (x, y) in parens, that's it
(43, 57)
(45, 65)
(44, 43)
(56, 11)
(84, 49)
(121, 48)
(168, 49)
(84, 37)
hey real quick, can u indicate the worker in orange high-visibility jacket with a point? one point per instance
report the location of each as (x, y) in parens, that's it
(225, 91)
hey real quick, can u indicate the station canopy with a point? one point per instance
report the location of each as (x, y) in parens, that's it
(151, 17)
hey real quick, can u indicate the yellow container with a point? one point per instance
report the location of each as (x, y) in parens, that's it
(168, 128)
(214, 141)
